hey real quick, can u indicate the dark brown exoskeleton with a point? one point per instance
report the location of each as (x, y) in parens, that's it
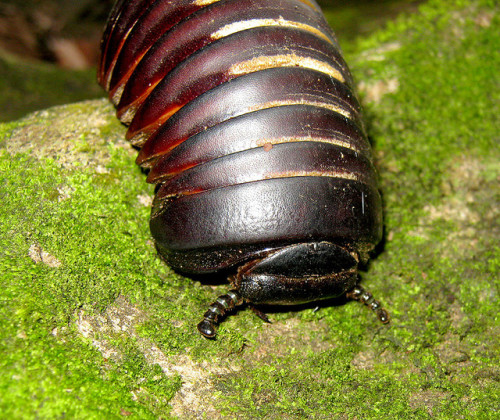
(246, 119)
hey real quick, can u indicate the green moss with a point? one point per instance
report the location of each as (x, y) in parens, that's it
(54, 229)
(94, 325)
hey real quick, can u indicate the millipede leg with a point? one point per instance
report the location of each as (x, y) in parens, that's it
(208, 326)
(361, 295)
(260, 314)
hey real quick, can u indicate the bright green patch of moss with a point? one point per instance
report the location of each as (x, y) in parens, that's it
(66, 250)
(50, 244)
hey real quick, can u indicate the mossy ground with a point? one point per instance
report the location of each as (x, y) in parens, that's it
(94, 325)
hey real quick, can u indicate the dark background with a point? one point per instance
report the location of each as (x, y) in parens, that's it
(67, 32)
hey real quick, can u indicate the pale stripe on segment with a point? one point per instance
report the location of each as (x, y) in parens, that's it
(314, 139)
(256, 23)
(203, 3)
(331, 107)
(127, 116)
(115, 99)
(141, 137)
(353, 176)
(285, 60)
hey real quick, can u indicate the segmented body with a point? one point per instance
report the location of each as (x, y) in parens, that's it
(245, 116)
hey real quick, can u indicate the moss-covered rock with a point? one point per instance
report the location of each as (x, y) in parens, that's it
(94, 325)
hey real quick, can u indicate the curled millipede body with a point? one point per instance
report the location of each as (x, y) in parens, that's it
(245, 117)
